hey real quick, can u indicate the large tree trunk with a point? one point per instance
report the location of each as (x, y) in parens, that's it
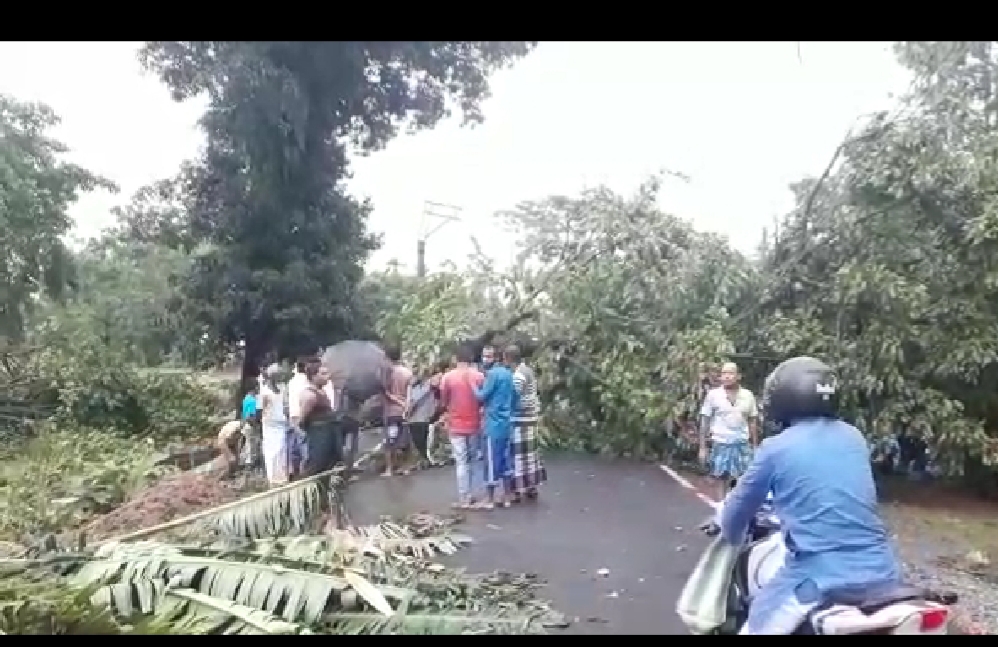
(252, 357)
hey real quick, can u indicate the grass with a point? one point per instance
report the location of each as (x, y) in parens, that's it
(941, 526)
(61, 478)
(934, 524)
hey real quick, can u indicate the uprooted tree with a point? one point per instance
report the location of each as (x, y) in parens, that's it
(886, 268)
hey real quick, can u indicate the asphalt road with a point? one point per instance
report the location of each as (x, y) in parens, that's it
(629, 518)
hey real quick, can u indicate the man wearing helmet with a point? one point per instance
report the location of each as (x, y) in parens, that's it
(818, 470)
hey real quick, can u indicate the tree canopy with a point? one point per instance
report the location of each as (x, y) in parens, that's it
(886, 267)
(36, 187)
(283, 244)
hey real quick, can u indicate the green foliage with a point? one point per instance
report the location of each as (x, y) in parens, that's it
(36, 187)
(631, 302)
(425, 317)
(64, 475)
(886, 268)
(371, 580)
(39, 605)
(283, 245)
(127, 296)
(93, 384)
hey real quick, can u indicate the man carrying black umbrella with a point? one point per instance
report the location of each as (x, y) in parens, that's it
(361, 374)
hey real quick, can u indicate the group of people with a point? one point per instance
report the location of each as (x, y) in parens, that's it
(817, 471)
(291, 427)
(489, 409)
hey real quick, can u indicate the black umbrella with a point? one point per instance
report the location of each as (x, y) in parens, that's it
(358, 369)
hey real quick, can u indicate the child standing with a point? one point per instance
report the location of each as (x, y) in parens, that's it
(252, 413)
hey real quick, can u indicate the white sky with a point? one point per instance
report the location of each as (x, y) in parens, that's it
(743, 120)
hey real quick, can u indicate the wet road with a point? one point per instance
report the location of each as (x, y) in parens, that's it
(629, 518)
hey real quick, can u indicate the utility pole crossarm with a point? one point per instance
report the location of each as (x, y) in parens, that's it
(443, 214)
(440, 226)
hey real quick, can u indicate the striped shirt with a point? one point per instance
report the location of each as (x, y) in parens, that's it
(526, 387)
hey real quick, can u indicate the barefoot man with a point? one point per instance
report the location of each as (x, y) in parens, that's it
(730, 415)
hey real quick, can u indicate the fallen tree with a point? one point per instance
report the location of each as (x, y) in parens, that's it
(885, 268)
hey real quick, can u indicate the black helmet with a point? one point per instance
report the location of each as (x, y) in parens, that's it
(802, 387)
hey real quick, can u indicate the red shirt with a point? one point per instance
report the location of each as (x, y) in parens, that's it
(457, 391)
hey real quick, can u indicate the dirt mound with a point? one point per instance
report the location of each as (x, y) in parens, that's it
(173, 497)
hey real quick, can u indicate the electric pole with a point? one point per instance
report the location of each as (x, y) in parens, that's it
(435, 217)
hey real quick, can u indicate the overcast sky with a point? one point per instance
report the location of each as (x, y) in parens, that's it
(742, 120)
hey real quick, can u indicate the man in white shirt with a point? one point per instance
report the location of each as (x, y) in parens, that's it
(296, 386)
(728, 420)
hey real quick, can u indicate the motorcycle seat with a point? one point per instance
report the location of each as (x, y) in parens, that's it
(871, 603)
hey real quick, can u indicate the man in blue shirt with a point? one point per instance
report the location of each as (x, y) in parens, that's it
(497, 397)
(818, 470)
(488, 358)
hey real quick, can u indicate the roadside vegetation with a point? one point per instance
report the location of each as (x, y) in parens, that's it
(110, 353)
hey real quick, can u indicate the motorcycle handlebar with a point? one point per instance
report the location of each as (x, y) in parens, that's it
(710, 528)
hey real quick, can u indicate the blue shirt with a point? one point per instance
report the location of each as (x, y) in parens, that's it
(823, 492)
(249, 406)
(497, 395)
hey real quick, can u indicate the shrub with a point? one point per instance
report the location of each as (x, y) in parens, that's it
(91, 385)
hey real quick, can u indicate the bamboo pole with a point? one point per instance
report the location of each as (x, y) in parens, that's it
(204, 514)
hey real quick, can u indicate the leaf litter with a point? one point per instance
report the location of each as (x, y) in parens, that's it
(442, 591)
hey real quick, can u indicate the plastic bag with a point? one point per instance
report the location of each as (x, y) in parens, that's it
(703, 603)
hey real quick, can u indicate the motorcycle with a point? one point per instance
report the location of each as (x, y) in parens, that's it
(716, 598)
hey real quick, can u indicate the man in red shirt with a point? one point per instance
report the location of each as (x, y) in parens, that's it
(464, 422)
